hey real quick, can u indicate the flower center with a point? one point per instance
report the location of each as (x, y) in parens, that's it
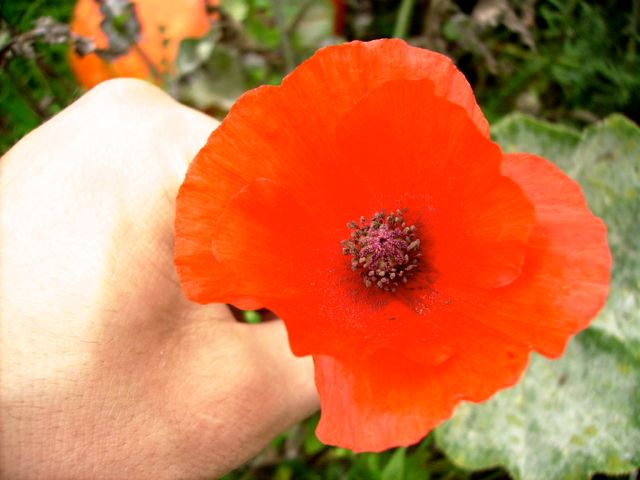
(385, 250)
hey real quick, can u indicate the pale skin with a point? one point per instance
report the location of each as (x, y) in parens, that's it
(106, 370)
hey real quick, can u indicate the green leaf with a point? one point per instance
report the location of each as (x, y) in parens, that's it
(521, 133)
(237, 9)
(252, 316)
(607, 165)
(394, 469)
(121, 25)
(193, 53)
(218, 82)
(283, 472)
(573, 417)
(567, 419)
(311, 24)
(312, 445)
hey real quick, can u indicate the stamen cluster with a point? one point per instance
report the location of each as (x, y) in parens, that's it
(385, 250)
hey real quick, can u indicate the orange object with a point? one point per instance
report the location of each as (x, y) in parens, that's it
(500, 253)
(164, 24)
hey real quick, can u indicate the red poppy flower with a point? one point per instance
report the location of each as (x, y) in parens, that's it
(363, 202)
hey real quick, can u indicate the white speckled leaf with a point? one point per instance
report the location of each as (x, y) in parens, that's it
(578, 415)
(607, 165)
(521, 133)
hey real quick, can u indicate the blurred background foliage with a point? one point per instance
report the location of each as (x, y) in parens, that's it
(563, 60)
(567, 61)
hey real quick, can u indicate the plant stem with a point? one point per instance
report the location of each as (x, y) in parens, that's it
(633, 29)
(153, 70)
(295, 23)
(285, 44)
(403, 20)
(26, 94)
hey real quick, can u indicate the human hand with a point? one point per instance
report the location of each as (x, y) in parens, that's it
(106, 371)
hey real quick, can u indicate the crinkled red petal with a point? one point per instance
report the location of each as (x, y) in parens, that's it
(290, 240)
(264, 207)
(283, 132)
(386, 400)
(566, 276)
(563, 285)
(408, 147)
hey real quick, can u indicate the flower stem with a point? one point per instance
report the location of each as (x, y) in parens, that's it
(285, 44)
(153, 70)
(403, 20)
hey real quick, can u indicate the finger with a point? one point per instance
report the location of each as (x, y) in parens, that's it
(234, 388)
(292, 377)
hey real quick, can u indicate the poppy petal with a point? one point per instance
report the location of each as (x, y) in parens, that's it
(265, 223)
(387, 400)
(566, 276)
(513, 259)
(431, 154)
(304, 258)
(298, 116)
(202, 197)
(564, 283)
(280, 265)
(347, 72)
(288, 264)
(565, 279)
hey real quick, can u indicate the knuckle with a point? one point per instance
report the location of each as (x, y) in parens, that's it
(121, 87)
